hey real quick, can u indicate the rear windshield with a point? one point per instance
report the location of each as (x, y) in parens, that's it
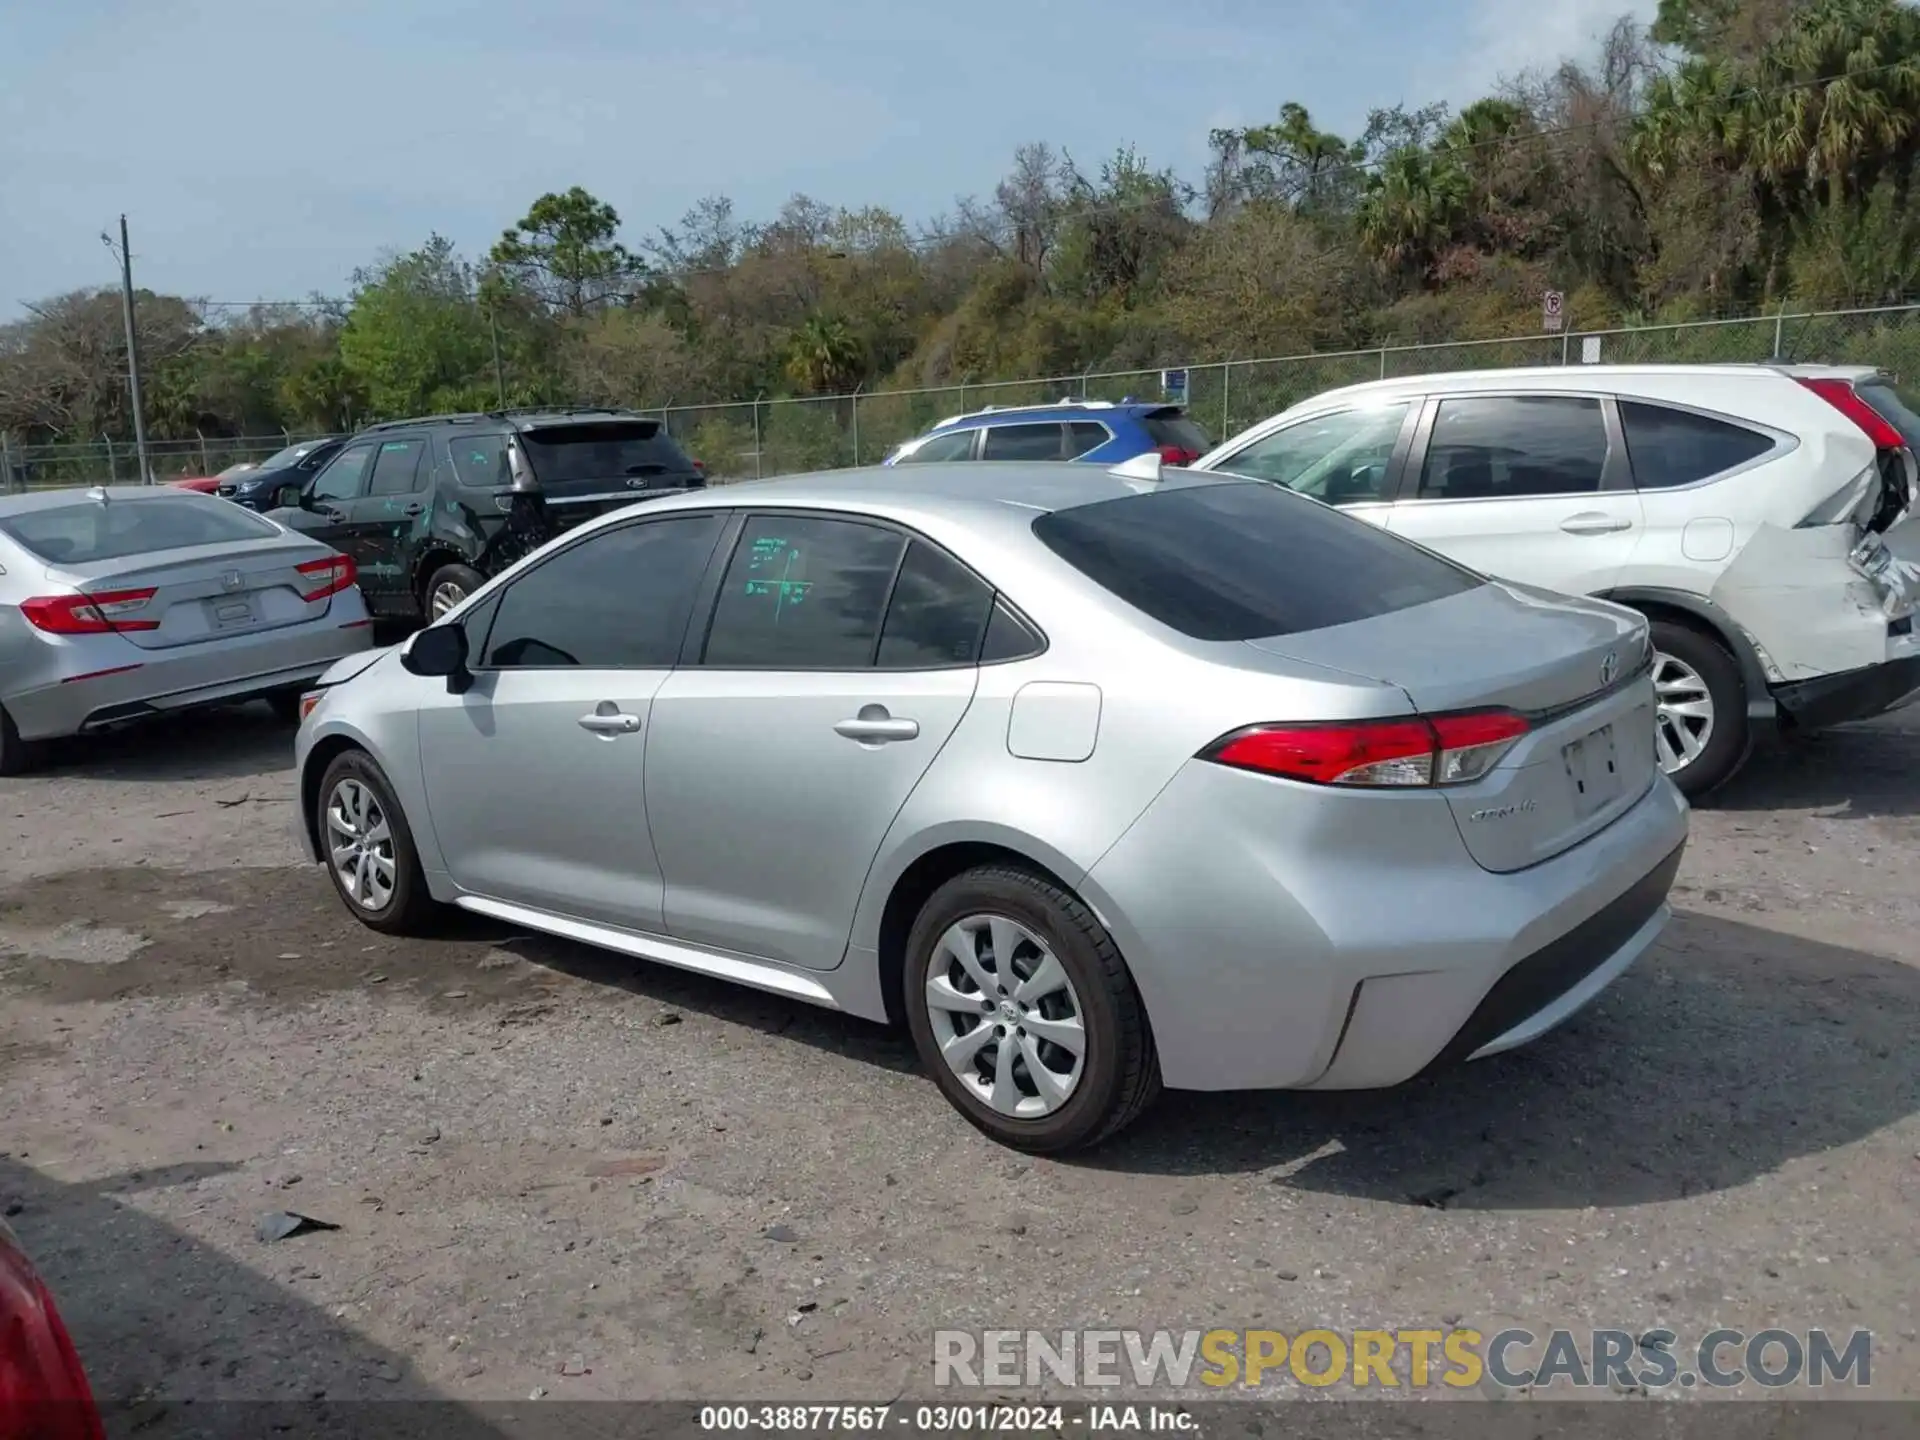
(603, 450)
(1896, 405)
(1172, 427)
(1246, 561)
(82, 533)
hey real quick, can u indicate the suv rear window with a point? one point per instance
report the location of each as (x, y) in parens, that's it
(1246, 560)
(1172, 427)
(603, 450)
(81, 534)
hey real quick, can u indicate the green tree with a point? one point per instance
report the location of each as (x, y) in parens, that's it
(823, 357)
(415, 339)
(563, 251)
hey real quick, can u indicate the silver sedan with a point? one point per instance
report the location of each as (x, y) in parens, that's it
(1096, 782)
(123, 602)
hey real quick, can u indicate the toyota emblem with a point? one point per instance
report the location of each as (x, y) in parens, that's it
(1610, 667)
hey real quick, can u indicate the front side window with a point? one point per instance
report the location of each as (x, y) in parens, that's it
(346, 477)
(1339, 458)
(619, 599)
(1508, 447)
(1024, 442)
(803, 593)
(954, 445)
(1671, 447)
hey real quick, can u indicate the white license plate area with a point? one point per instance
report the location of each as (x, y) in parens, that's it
(1593, 771)
(231, 614)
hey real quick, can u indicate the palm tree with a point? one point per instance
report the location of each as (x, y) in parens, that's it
(824, 356)
(1412, 208)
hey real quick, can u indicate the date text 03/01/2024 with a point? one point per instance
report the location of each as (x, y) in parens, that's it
(946, 1419)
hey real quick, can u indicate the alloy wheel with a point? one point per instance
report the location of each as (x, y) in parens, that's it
(1683, 713)
(360, 845)
(445, 596)
(1006, 1017)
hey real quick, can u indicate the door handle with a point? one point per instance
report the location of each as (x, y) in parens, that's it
(610, 724)
(874, 726)
(327, 512)
(1594, 522)
(413, 509)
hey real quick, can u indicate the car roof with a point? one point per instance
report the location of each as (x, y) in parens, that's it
(521, 419)
(1056, 409)
(34, 500)
(1580, 377)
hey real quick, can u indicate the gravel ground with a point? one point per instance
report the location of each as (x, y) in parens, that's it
(554, 1170)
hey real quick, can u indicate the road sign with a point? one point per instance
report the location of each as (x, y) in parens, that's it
(1590, 350)
(1173, 384)
(1551, 308)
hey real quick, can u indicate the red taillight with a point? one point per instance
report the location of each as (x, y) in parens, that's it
(1420, 751)
(100, 613)
(327, 577)
(44, 1393)
(1841, 395)
(1176, 455)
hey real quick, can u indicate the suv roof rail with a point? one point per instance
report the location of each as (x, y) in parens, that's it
(512, 412)
(1064, 401)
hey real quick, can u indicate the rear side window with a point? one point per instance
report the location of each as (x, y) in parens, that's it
(1509, 447)
(480, 461)
(84, 533)
(396, 466)
(803, 593)
(937, 615)
(1675, 447)
(603, 450)
(1174, 428)
(1024, 442)
(1085, 435)
(1244, 561)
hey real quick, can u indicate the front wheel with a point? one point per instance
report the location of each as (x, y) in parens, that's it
(1024, 1012)
(369, 849)
(1701, 734)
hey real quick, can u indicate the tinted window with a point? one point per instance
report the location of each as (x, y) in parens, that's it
(803, 594)
(396, 466)
(346, 477)
(1338, 458)
(955, 445)
(937, 615)
(480, 461)
(79, 534)
(1171, 427)
(1671, 447)
(1085, 435)
(1008, 637)
(1024, 442)
(1242, 561)
(1509, 446)
(618, 599)
(603, 450)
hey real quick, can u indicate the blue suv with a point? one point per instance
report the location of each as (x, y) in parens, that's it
(1100, 432)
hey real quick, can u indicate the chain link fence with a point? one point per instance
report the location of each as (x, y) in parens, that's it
(749, 439)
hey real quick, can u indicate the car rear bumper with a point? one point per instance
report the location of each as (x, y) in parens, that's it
(1318, 953)
(113, 682)
(1851, 695)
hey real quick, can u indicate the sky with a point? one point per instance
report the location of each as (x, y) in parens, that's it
(263, 149)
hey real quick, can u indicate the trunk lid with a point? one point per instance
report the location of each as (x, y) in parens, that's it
(1577, 668)
(210, 592)
(589, 467)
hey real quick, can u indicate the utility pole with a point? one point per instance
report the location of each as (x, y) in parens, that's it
(133, 352)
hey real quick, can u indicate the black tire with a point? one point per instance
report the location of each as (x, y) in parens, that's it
(1730, 740)
(409, 909)
(1120, 1074)
(464, 578)
(17, 756)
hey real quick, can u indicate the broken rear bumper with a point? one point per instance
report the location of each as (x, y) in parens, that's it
(1851, 695)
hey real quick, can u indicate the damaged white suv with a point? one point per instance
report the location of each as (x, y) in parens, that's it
(1757, 514)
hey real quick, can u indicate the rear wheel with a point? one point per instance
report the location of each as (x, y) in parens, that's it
(1701, 734)
(17, 756)
(1023, 1011)
(285, 705)
(369, 850)
(448, 587)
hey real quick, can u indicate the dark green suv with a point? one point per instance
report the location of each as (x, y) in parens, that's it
(430, 509)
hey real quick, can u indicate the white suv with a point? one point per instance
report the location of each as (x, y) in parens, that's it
(1747, 510)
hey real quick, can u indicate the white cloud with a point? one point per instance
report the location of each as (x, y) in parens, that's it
(1509, 37)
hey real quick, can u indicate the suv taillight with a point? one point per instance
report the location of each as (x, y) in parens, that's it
(1841, 395)
(44, 1393)
(328, 576)
(100, 613)
(1419, 750)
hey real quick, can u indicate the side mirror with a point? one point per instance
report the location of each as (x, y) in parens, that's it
(440, 650)
(524, 482)
(287, 497)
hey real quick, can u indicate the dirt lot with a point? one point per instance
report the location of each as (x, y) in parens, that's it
(544, 1160)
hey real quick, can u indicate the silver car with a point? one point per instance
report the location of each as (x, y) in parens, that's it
(122, 602)
(1097, 783)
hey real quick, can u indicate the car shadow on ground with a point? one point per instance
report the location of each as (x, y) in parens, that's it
(1727, 1053)
(228, 742)
(1861, 771)
(180, 1339)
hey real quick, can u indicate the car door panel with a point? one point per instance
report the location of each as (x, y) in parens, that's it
(324, 510)
(379, 521)
(1523, 487)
